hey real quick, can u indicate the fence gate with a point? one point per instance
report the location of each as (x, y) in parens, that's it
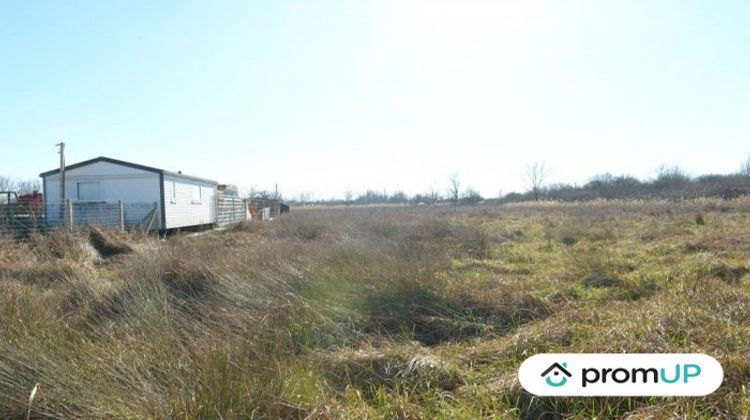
(230, 210)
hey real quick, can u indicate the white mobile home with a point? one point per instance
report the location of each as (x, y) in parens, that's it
(177, 200)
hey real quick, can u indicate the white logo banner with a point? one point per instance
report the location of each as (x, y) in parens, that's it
(608, 374)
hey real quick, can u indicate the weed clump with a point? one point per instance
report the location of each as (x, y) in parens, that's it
(106, 244)
(59, 244)
(728, 273)
(433, 318)
(409, 367)
(303, 226)
(250, 226)
(569, 240)
(598, 280)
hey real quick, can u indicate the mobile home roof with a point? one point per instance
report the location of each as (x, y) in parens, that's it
(128, 164)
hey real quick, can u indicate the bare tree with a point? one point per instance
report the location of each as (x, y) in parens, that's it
(348, 195)
(471, 196)
(745, 167)
(454, 187)
(5, 183)
(434, 195)
(305, 197)
(670, 177)
(255, 192)
(20, 186)
(28, 186)
(534, 177)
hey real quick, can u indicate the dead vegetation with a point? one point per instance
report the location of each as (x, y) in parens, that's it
(107, 244)
(407, 366)
(375, 312)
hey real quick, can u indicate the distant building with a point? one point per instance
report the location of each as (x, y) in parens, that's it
(265, 208)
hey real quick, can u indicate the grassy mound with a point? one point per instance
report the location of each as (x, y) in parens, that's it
(106, 244)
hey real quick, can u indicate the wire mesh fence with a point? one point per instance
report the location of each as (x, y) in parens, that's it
(24, 218)
(21, 218)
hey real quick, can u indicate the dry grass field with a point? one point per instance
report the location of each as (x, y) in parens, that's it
(374, 312)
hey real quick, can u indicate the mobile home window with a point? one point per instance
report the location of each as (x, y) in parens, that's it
(196, 194)
(89, 191)
(173, 194)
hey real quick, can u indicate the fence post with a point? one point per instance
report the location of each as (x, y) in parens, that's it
(153, 217)
(122, 215)
(71, 214)
(60, 214)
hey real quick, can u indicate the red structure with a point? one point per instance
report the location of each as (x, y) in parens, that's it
(31, 203)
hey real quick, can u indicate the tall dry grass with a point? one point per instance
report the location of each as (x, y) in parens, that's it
(381, 312)
(207, 326)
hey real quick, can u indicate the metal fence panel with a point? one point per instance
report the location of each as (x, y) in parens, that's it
(19, 218)
(70, 214)
(230, 210)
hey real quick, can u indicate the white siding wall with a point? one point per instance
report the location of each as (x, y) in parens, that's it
(118, 183)
(180, 210)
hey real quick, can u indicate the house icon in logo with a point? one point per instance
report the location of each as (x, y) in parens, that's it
(557, 374)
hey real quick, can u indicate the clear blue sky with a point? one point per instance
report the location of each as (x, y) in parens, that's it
(325, 96)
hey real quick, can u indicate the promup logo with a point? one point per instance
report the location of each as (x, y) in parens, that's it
(557, 374)
(620, 374)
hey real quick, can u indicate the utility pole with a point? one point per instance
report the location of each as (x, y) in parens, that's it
(61, 145)
(61, 204)
(276, 203)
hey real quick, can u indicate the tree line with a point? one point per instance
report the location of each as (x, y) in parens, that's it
(671, 182)
(20, 186)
